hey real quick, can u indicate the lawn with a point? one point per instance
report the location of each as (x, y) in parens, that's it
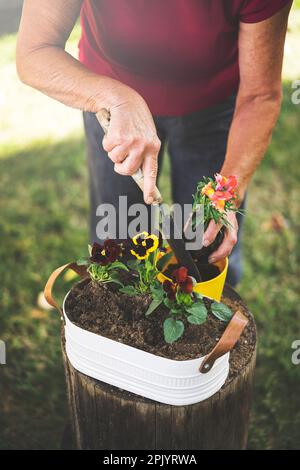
(43, 224)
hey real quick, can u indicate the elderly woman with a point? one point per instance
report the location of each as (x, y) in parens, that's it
(203, 76)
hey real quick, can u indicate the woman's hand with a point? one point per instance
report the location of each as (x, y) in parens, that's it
(229, 241)
(131, 141)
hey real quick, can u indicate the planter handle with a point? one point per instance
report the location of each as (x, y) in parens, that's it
(228, 340)
(80, 270)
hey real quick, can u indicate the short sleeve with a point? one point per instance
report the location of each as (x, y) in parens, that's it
(254, 11)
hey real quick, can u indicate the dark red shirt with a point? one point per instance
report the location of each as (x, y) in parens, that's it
(180, 55)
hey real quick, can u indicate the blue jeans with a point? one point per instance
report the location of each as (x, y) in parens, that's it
(196, 145)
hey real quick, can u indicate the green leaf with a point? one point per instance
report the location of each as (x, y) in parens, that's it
(133, 264)
(221, 311)
(173, 330)
(98, 273)
(83, 262)
(198, 313)
(163, 261)
(129, 290)
(151, 259)
(153, 306)
(176, 310)
(169, 303)
(118, 265)
(198, 307)
(90, 249)
(115, 279)
(184, 299)
(157, 291)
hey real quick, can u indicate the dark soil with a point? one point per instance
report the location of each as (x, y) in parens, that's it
(201, 256)
(101, 309)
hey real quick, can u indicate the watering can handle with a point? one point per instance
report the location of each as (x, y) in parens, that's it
(48, 294)
(227, 342)
(103, 117)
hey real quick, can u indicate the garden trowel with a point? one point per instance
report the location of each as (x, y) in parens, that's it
(183, 257)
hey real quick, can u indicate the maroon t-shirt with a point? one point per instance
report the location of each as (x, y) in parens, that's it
(180, 55)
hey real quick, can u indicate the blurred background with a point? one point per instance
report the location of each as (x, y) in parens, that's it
(43, 224)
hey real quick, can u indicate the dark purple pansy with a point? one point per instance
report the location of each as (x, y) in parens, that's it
(112, 250)
(187, 285)
(106, 253)
(183, 280)
(180, 274)
(170, 289)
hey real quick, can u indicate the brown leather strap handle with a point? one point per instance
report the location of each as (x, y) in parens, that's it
(80, 270)
(228, 340)
(103, 117)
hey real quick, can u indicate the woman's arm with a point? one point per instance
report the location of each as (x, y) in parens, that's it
(261, 47)
(43, 63)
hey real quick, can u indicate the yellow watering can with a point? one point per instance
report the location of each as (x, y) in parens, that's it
(213, 288)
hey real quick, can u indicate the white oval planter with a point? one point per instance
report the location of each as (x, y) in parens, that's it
(164, 380)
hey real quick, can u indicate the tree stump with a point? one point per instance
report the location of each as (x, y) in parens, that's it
(105, 417)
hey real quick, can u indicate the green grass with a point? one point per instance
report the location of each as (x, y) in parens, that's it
(271, 285)
(43, 224)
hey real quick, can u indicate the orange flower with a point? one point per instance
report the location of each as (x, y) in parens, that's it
(208, 190)
(222, 195)
(226, 184)
(231, 184)
(219, 204)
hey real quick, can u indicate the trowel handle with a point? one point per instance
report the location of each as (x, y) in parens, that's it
(103, 117)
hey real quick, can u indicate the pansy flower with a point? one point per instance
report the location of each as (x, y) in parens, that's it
(144, 244)
(183, 280)
(112, 250)
(170, 289)
(180, 281)
(105, 254)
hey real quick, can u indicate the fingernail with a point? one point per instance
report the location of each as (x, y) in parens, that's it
(149, 200)
(205, 242)
(211, 260)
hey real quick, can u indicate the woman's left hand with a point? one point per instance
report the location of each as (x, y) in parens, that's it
(230, 238)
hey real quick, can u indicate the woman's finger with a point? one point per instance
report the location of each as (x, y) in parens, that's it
(226, 247)
(150, 168)
(211, 232)
(130, 165)
(119, 153)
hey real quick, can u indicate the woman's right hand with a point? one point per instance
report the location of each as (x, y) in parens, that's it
(131, 141)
